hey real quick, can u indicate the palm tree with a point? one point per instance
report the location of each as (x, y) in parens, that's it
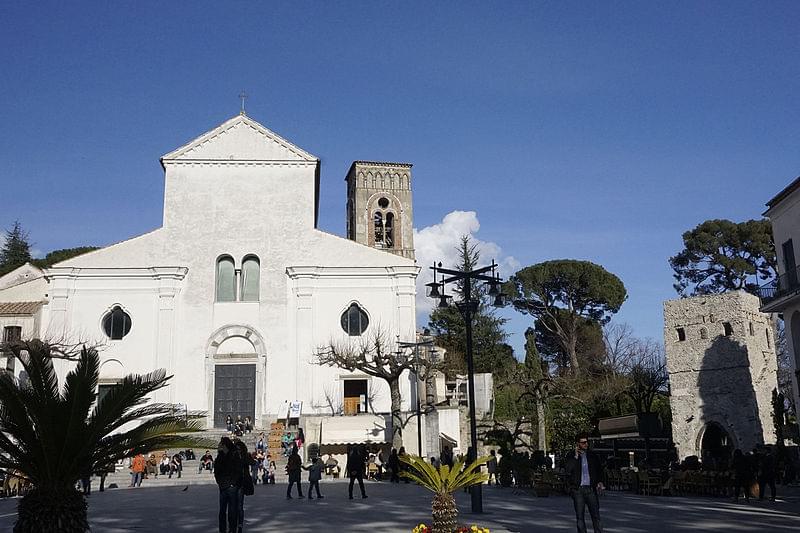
(51, 434)
(443, 482)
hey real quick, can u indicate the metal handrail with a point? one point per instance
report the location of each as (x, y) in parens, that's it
(786, 283)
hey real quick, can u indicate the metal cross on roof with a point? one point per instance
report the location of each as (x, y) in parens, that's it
(243, 96)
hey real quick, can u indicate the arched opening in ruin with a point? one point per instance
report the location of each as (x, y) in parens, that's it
(716, 445)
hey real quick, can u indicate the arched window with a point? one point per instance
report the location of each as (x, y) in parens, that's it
(251, 271)
(752, 330)
(728, 328)
(377, 222)
(354, 320)
(703, 333)
(116, 323)
(226, 279)
(388, 231)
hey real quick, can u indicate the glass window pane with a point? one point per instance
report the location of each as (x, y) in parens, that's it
(250, 280)
(116, 324)
(354, 320)
(226, 280)
(353, 326)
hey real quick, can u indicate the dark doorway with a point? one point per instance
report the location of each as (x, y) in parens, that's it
(234, 392)
(716, 446)
(355, 396)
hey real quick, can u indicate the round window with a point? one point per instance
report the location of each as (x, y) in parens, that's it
(354, 320)
(383, 203)
(116, 323)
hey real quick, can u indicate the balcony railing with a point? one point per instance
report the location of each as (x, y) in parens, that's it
(785, 284)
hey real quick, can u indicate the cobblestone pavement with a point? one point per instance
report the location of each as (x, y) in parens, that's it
(400, 507)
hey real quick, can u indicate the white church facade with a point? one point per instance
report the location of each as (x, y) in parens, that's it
(236, 290)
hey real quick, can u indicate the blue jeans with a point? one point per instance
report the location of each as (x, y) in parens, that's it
(229, 510)
(586, 497)
(136, 479)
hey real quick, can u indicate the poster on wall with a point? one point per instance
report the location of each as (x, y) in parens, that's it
(295, 408)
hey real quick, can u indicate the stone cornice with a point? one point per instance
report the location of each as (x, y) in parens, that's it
(157, 273)
(236, 163)
(296, 272)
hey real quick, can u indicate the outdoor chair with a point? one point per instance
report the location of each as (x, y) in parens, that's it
(649, 485)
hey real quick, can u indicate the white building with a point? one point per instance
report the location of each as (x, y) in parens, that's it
(783, 296)
(238, 287)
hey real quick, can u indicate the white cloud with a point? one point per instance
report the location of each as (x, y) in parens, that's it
(440, 242)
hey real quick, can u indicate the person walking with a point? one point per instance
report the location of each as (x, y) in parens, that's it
(294, 467)
(355, 469)
(584, 476)
(766, 474)
(248, 486)
(491, 467)
(394, 467)
(403, 466)
(314, 475)
(742, 475)
(228, 473)
(446, 457)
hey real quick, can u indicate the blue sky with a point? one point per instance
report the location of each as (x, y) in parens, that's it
(597, 131)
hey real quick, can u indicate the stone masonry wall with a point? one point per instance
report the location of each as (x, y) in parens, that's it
(722, 368)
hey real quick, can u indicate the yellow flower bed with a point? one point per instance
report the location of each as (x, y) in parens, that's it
(422, 528)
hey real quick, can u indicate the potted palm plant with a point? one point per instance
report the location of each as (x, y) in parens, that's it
(443, 482)
(51, 433)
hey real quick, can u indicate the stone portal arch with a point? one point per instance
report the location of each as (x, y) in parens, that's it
(715, 443)
(236, 358)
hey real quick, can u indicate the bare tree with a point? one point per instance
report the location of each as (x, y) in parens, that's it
(330, 401)
(621, 346)
(378, 356)
(647, 374)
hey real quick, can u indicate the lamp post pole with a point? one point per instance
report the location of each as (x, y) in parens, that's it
(416, 346)
(468, 306)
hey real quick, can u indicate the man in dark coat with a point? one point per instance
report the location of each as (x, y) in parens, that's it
(584, 476)
(294, 467)
(356, 462)
(228, 469)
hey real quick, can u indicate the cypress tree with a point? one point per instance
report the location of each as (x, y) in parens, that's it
(16, 251)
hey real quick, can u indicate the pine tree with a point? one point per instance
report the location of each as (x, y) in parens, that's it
(16, 250)
(490, 351)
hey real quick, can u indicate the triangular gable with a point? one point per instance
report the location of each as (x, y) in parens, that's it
(19, 275)
(239, 139)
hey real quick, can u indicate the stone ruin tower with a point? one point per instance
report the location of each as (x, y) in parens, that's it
(722, 369)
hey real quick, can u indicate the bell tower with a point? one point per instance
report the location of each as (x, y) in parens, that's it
(379, 208)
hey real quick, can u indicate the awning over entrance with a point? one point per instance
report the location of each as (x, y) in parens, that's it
(357, 429)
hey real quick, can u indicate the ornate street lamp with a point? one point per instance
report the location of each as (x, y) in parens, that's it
(468, 306)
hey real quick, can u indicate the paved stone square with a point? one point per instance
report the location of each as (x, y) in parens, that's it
(399, 507)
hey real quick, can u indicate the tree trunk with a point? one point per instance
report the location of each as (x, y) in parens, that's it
(397, 423)
(572, 348)
(445, 513)
(540, 422)
(52, 510)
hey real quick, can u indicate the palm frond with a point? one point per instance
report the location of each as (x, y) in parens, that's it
(444, 480)
(129, 393)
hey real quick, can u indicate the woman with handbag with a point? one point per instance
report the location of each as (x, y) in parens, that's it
(248, 489)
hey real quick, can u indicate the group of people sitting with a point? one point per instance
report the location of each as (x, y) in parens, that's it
(142, 468)
(239, 426)
(288, 442)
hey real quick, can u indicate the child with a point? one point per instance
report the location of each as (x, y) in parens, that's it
(314, 475)
(271, 473)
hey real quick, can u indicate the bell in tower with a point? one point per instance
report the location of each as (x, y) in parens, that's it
(379, 209)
